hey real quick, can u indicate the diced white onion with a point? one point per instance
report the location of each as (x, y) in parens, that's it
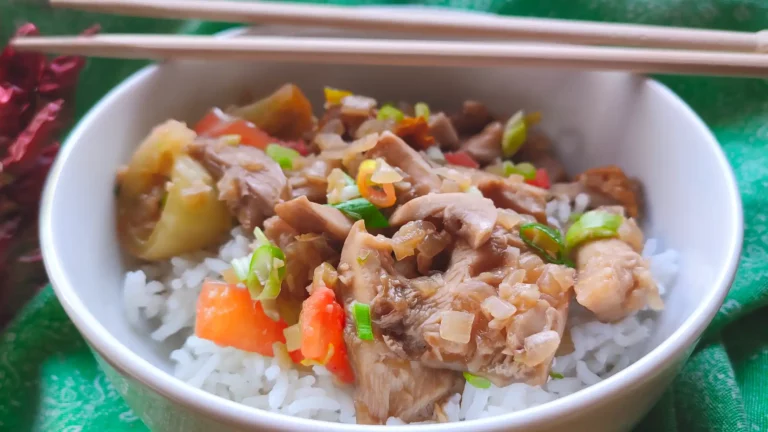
(498, 308)
(456, 326)
(372, 126)
(540, 347)
(339, 187)
(434, 153)
(292, 337)
(384, 173)
(327, 141)
(509, 219)
(462, 180)
(357, 105)
(282, 356)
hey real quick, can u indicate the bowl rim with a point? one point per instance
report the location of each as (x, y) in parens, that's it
(132, 365)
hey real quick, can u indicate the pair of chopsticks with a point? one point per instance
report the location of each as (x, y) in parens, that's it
(665, 50)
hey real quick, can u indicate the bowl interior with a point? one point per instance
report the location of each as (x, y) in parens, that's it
(593, 118)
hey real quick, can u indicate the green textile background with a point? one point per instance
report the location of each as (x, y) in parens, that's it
(50, 382)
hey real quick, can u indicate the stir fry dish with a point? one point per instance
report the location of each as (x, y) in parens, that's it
(405, 249)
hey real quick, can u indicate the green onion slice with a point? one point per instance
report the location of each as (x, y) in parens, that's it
(593, 225)
(555, 375)
(422, 110)
(261, 238)
(265, 269)
(389, 112)
(282, 155)
(574, 217)
(515, 134)
(525, 169)
(362, 313)
(546, 241)
(240, 266)
(361, 208)
(476, 381)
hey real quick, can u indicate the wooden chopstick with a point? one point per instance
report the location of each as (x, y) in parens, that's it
(507, 28)
(402, 52)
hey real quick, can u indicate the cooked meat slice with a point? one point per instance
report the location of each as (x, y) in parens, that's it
(471, 216)
(474, 116)
(538, 151)
(398, 154)
(441, 128)
(303, 253)
(613, 182)
(485, 146)
(387, 385)
(495, 311)
(614, 280)
(310, 179)
(512, 193)
(308, 217)
(249, 181)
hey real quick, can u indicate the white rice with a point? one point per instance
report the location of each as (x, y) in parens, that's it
(165, 295)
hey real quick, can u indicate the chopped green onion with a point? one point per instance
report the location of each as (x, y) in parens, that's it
(592, 225)
(389, 112)
(555, 375)
(263, 271)
(574, 216)
(240, 266)
(525, 169)
(361, 208)
(422, 110)
(515, 134)
(476, 381)
(265, 276)
(363, 257)
(362, 313)
(282, 155)
(546, 241)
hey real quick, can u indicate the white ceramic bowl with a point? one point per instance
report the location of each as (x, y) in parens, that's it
(594, 118)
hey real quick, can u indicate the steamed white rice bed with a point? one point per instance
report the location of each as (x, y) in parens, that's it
(166, 293)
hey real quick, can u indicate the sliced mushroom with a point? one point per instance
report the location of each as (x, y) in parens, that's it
(471, 216)
(485, 147)
(398, 154)
(308, 217)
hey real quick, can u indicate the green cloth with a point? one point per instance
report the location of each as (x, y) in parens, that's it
(50, 382)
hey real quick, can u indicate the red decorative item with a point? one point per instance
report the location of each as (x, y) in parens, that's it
(22, 69)
(28, 146)
(14, 106)
(34, 94)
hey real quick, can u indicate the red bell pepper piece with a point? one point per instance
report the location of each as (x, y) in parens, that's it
(217, 123)
(212, 120)
(461, 158)
(541, 180)
(322, 333)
